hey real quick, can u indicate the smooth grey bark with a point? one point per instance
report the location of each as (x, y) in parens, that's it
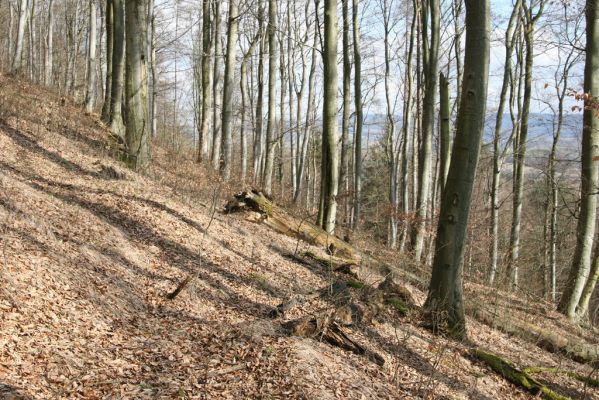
(216, 85)
(90, 92)
(444, 303)
(444, 133)
(359, 119)
(258, 131)
(227, 123)
(520, 149)
(344, 164)
(405, 130)
(151, 51)
(17, 60)
(430, 69)
(109, 45)
(242, 87)
(49, 49)
(390, 145)
(330, 161)
(272, 76)
(498, 152)
(206, 82)
(118, 71)
(582, 277)
(137, 130)
(309, 117)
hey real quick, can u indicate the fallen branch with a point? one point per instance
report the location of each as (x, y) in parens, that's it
(517, 376)
(586, 379)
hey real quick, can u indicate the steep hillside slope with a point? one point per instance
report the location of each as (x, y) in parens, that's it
(89, 250)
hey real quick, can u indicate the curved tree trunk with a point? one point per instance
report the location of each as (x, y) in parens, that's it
(444, 302)
(581, 280)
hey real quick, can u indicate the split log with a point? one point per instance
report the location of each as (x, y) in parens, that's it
(324, 327)
(515, 375)
(572, 347)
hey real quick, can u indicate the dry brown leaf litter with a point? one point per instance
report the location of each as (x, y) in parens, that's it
(87, 256)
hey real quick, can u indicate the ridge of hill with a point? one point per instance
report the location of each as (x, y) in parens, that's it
(89, 249)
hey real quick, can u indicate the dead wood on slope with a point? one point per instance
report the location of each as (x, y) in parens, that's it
(515, 375)
(573, 348)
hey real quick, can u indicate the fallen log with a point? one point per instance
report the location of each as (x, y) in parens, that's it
(515, 375)
(586, 379)
(281, 221)
(571, 347)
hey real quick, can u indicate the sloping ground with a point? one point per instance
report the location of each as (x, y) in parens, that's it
(89, 250)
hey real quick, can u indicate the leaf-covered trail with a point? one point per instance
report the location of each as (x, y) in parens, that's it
(89, 250)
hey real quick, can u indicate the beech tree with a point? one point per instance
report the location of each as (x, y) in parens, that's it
(136, 88)
(444, 303)
(583, 276)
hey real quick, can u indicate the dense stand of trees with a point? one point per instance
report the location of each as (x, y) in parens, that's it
(369, 117)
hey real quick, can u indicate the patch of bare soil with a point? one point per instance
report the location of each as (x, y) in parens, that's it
(89, 250)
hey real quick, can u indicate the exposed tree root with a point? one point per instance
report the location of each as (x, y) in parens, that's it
(515, 375)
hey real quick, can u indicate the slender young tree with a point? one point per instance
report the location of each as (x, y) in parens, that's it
(206, 82)
(359, 116)
(444, 303)
(499, 152)
(530, 19)
(582, 278)
(49, 49)
(430, 67)
(118, 71)
(227, 123)
(271, 141)
(90, 92)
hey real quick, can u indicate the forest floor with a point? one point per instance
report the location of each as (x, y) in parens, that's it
(89, 249)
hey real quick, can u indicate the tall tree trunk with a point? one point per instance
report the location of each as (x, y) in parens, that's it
(330, 162)
(227, 123)
(17, 60)
(90, 93)
(258, 133)
(152, 68)
(206, 82)
(444, 302)
(118, 70)
(520, 153)
(242, 87)
(109, 46)
(581, 280)
(430, 64)
(272, 76)
(444, 134)
(359, 117)
(344, 165)
(136, 87)
(216, 93)
(498, 153)
(49, 50)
